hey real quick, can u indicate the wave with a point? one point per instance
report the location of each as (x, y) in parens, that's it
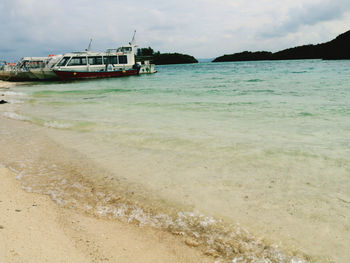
(56, 124)
(69, 184)
(12, 93)
(14, 116)
(255, 80)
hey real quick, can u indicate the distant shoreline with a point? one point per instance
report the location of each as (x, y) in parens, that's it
(335, 49)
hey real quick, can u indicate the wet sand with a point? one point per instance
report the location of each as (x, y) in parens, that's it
(35, 229)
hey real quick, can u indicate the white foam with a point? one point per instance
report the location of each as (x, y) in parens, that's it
(55, 197)
(15, 116)
(27, 188)
(15, 101)
(20, 175)
(298, 260)
(13, 170)
(12, 93)
(55, 124)
(103, 210)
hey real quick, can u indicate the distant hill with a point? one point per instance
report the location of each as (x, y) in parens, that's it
(338, 48)
(173, 58)
(163, 58)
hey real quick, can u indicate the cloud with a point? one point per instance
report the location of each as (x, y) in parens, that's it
(309, 14)
(203, 28)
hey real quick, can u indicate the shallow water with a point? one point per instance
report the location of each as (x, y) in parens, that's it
(198, 149)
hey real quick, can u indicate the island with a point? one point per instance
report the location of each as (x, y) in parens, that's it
(338, 48)
(163, 58)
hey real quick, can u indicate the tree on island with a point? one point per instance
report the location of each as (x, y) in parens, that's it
(145, 51)
(338, 48)
(163, 58)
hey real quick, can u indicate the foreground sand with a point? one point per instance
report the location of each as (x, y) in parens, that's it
(34, 229)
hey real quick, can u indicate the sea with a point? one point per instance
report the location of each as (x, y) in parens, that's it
(250, 161)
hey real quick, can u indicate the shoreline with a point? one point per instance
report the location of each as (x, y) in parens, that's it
(219, 241)
(23, 135)
(182, 241)
(35, 229)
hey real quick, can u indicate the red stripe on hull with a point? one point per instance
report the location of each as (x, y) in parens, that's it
(71, 75)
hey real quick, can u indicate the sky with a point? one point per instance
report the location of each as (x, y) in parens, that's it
(201, 28)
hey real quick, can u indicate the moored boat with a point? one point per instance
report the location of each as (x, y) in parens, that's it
(46, 73)
(146, 67)
(112, 63)
(21, 71)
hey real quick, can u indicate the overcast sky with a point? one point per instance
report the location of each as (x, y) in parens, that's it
(202, 28)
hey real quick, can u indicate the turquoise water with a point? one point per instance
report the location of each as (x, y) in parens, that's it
(261, 144)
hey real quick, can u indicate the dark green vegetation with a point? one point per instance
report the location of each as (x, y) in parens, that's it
(338, 48)
(163, 59)
(173, 58)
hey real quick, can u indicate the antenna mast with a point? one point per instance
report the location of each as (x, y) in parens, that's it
(133, 41)
(89, 47)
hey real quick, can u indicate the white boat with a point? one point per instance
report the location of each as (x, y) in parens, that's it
(117, 62)
(112, 63)
(146, 67)
(21, 71)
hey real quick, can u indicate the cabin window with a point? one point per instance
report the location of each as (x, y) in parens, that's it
(95, 60)
(63, 62)
(39, 64)
(124, 49)
(77, 61)
(110, 60)
(33, 64)
(123, 60)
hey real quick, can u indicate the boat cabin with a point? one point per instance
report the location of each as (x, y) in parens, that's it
(112, 59)
(33, 62)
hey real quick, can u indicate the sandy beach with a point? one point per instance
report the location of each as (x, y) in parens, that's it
(34, 229)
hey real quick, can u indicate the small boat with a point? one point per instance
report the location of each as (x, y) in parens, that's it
(21, 71)
(146, 67)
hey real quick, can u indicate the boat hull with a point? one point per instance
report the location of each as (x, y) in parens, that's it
(44, 74)
(21, 76)
(72, 75)
(5, 74)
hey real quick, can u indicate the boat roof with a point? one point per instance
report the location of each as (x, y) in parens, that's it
(123, 50)
(89, 53)
(35, 58)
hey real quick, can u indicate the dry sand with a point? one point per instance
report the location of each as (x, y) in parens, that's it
(35, 229)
